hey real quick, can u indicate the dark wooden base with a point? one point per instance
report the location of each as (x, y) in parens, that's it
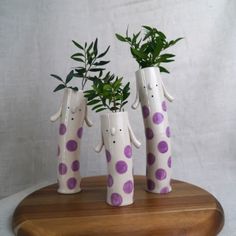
(187, 210)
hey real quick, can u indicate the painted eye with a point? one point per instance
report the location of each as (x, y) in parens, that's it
(156, 85)
(68, 107)
(106, 130)
(120, 129)
(79, 109)
(144, 86)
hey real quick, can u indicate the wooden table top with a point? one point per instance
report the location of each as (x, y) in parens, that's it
(187, 210)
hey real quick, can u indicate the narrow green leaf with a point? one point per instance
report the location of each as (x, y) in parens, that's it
(77, 55)
(95, 101)
(164, 70)
(97, 106)
(147, 27)
(77, 59)
(95, 47)
(69, 77)
(77, 45)
(120, 37)
(101, 109)
(101, 63)
(97, 69)
(104, 53)
(90, 47)
(59, 87)
(57, 77)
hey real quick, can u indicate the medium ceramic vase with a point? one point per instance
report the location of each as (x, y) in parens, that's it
(117, 136)
(151, 93)
(72, 114)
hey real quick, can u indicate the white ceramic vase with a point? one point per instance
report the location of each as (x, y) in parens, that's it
(117, 136)
(72, 114)
(151, 93)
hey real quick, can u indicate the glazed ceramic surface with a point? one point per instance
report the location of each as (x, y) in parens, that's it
(117, 136)
(72, 114)
(151, 93)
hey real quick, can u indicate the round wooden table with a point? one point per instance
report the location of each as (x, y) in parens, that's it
(187, 210)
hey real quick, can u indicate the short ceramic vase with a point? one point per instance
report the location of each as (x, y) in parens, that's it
(117, 136)
(72, 114)
(151, 93)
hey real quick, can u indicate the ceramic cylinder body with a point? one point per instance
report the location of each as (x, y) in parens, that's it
(157, 130)
(70, 133)
(116, 138)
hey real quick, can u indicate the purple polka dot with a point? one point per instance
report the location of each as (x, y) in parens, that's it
(128, 151)
(116, 199)
(164, 107)
(168, 132)
(169, 162)
(121, 167)
(75, 165)
(160, 174)
(145, 111)
(58, 151)
(71, 183)
(164, 190)
(71, 145)
(80, 132)
(128, 186)
(157, 118)
(108, 156)
(150, 184)
(62, 168)
(162, 146)
(109, 181)
(150, 158)
(62, 129)
(149, 133)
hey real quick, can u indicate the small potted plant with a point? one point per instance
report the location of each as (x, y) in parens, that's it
(108, 93)
(72, 114)
(148, 51)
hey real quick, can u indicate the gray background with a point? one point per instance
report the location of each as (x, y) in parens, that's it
(35, 40)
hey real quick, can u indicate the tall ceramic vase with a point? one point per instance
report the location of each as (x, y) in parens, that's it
(117, 136)
(72, 114)
(151, 93)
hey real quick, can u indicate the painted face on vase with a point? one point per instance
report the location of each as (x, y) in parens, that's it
(150, 91)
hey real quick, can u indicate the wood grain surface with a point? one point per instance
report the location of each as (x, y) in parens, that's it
(187, 210)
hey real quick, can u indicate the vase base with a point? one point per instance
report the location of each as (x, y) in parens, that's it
(164, 190)
(123, 204)
(61, 191)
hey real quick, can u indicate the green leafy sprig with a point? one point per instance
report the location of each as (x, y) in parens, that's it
(90, 61)
(108, 93)
(148, 50)
(64, 84)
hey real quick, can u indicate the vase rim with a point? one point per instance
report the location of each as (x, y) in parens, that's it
(148, 68)
(114, 113)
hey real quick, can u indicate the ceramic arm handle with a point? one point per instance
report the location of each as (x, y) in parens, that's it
(136, 102)
(133, 138)
(57, 115)
(166, 94)
(98, 148)
(88, 122)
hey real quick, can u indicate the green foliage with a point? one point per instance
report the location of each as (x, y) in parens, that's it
(148, 49)
(64, 84)
(107, 93)
(90, 62)
(90, 65)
